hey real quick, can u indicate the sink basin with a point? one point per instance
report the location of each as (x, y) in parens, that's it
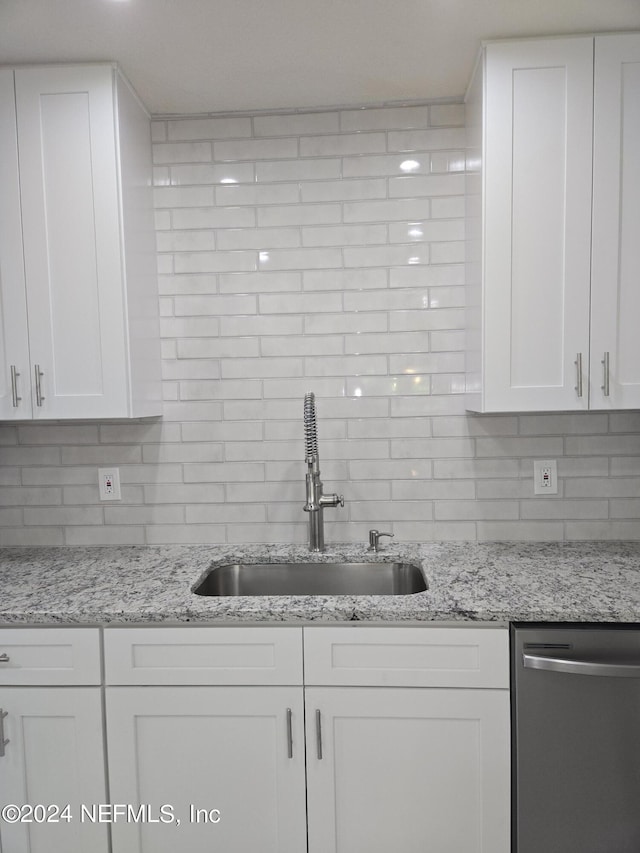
(313, 579)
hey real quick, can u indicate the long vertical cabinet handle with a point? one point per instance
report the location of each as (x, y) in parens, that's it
(15, 399)
(605, 375)
(318, 734)
(289, 733)
(3, 740)
(39, 394)
(578, 364)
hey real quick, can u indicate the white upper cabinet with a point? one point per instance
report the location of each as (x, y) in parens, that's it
(80, 315)
(541, 314)
(615, 273)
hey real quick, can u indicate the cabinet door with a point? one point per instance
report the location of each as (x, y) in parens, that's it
(220, 757)
(71, 233)
(15, 396)
(615, 299)
(407, 769)
(537, 231)
(54, 757)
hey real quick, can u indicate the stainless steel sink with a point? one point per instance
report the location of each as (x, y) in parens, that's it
(313, 579)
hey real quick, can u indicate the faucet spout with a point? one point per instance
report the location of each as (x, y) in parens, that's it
(316, 500)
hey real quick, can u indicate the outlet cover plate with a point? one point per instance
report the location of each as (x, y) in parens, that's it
(109, 484)
(545, 477)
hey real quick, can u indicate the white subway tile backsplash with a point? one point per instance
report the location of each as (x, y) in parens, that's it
(208, 128)
(240, 368)
(352, 279)
(255, 149)
(386, 211)
(186, 327)
(267, 194)
(324, 346)
(300, 259)
(258, 238)
(300, 214)
(316, 251)
(215, 262)
(344, 190)
(583, 530)
(356, 366)
(342, 144)
(259, 281)
(426, 185)
(227, 173)
(260, 325)
(522, 531)
(298, 170)
(344, 235)
(213, 217)
(296, 123)
(103, 535)
(446, 114)
(383, 118)
(185, 241)
(299, 303)
(183, 197)
(387, 164)
(349, 324)
(461, 510)
(429, 231)
(182, 152)
(441, 318)
(427, 140)
(386, 256)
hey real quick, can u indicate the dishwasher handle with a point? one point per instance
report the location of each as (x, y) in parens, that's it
(577, 666)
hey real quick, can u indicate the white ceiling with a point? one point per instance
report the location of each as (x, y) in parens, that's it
(203, 56)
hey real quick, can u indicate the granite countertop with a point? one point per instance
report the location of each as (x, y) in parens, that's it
(468, 582)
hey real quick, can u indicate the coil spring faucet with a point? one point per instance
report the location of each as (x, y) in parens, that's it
(316, 500)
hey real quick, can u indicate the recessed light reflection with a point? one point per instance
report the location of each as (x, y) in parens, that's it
(264, 257)
(415, 231)
(409, 165)
(414, 260)
(357, 392)
(228, 181)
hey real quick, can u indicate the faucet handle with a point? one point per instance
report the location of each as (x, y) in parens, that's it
(374, 539)
(331, 500)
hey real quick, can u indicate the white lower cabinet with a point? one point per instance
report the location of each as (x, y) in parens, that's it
(407, 769)
(52, 746)
(405, 733)
(223, 766)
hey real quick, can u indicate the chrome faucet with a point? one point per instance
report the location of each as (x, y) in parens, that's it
(316, 500)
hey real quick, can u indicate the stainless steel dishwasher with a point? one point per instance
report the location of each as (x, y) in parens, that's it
(575, 739)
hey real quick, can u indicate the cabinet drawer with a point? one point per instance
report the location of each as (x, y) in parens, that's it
(409, 657)
(50, 656)
(203, 656)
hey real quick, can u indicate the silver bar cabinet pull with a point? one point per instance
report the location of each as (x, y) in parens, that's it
(4, 658)
(39, 394)
(605, 378)
(318, 734)
(578, 364)
(3, 740)
(289, 733)
(15, 399)
(577, 666)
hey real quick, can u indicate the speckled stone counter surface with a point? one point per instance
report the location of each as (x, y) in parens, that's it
(468, 582)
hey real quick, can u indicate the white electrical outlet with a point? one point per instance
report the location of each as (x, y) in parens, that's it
(109, 484)
(545, 477)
